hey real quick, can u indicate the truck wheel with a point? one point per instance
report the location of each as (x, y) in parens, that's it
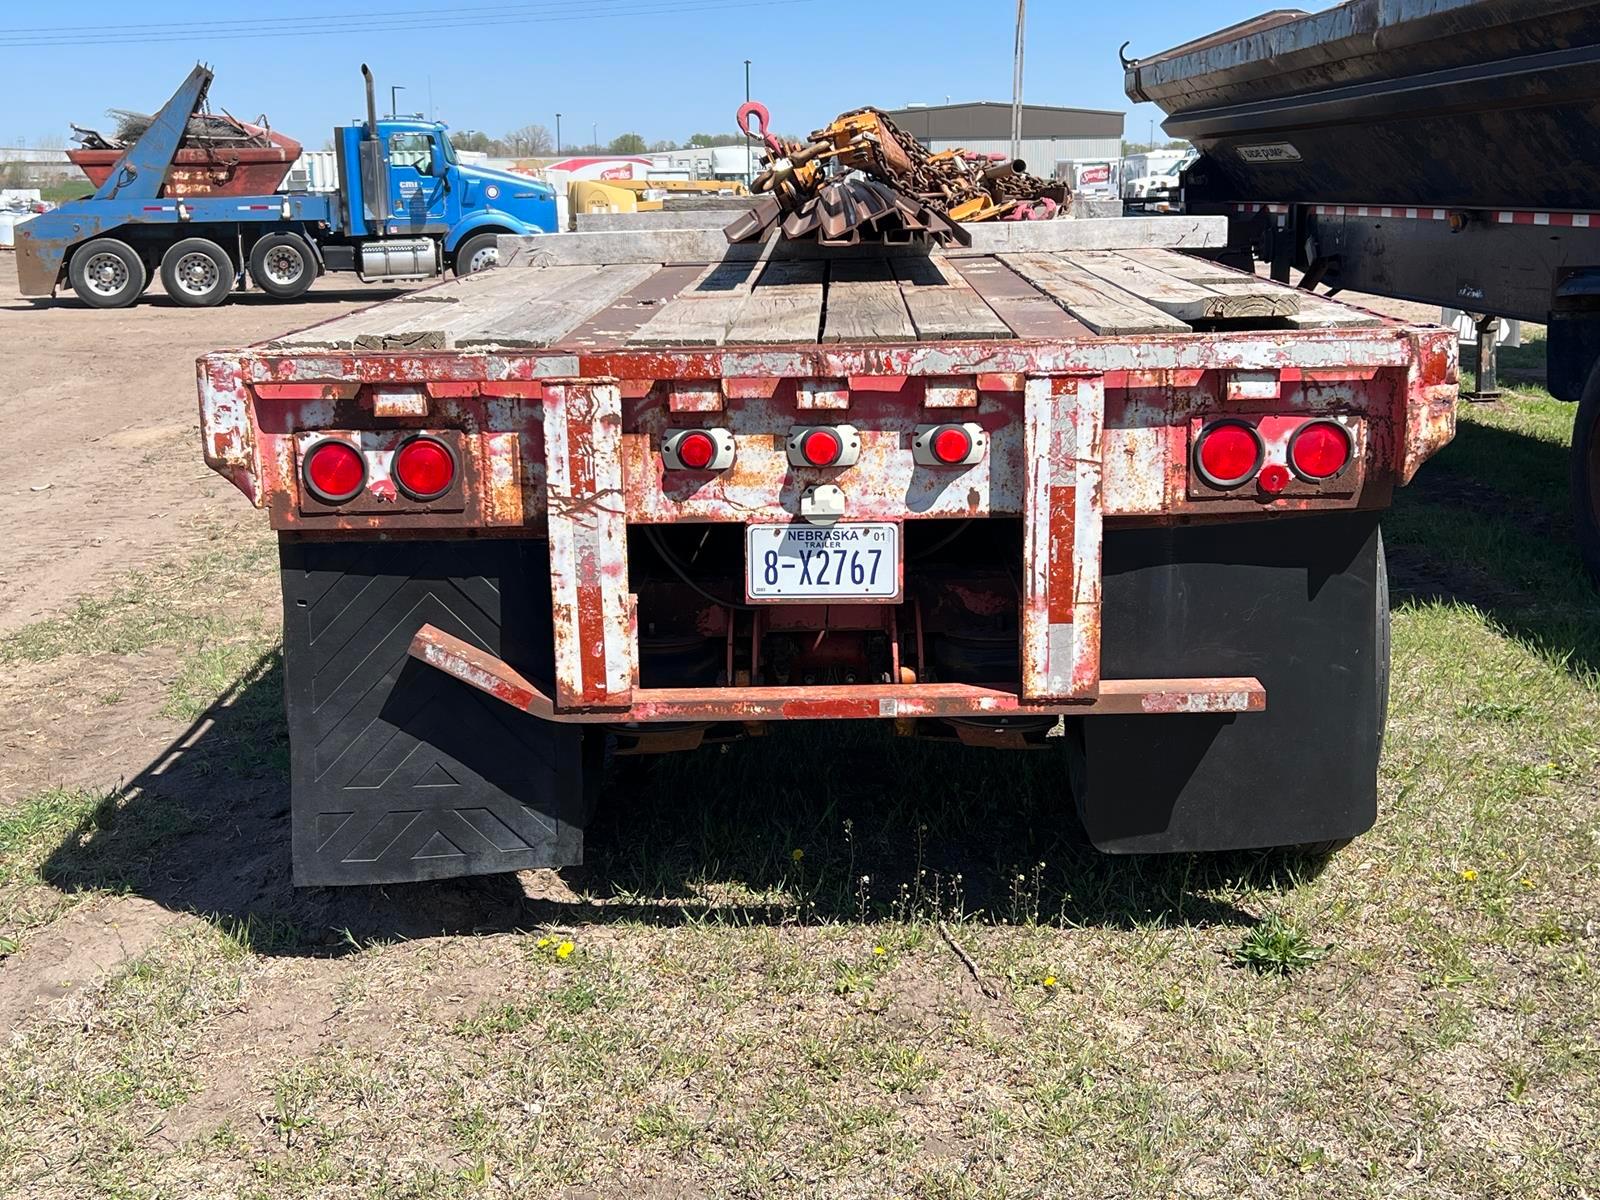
(1586, 477)
(197, 273)
(107, 273)
(478, 253)
(282, 265)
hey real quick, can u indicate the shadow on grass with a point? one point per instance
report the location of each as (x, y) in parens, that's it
(1488, 524)
(812, 823)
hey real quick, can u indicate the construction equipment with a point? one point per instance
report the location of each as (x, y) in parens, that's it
(862, 173)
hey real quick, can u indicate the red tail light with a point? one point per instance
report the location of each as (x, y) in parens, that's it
(335, 472)
(952, 445)
(821, 447)
(424, 468)
(1320, 450)
(1228, 453)
(697, 449)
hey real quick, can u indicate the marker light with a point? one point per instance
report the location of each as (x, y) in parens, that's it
(335, 472)
(1228, 453)
(1320, 450)
(424, 468)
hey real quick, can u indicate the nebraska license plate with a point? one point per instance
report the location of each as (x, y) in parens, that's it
(837, 564)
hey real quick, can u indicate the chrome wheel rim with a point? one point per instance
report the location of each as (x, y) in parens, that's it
(105, 274)
(196, 274)
(284, 265)
(482, 259)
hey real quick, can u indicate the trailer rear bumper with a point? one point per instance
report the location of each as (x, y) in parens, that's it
(1118, 697)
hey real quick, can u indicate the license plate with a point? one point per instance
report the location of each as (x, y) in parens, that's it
(838, 564)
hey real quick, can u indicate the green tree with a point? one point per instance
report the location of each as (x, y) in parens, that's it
(627, 143)
(715, 139)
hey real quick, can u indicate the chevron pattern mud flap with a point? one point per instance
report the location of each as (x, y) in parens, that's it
(400, 773)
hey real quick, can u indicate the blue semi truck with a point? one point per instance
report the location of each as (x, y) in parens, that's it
(405, 208)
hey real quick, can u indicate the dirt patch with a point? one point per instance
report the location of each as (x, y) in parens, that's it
(287, 1019)
(79, 950)
(100, 471)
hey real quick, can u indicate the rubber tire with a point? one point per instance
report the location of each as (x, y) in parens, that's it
(283, 241)
(1585, 469)
(225, 273)
(138, 275)
(471, 246)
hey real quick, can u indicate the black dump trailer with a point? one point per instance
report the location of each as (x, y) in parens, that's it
(1441, 151)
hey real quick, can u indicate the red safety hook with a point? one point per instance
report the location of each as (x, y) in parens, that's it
(754, 108)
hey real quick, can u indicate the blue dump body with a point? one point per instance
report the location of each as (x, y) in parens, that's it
(1469, 103)
(426, 193)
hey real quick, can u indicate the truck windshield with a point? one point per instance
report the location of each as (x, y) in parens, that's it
(449, 148)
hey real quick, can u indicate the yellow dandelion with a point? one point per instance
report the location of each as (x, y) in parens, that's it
(1527, 883)
(564, 950)
(1049, 981)
(543, 942)
(797, 854)
(879, 951)
(1469, 875)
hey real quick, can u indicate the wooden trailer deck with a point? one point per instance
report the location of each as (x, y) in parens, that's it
(891, 296)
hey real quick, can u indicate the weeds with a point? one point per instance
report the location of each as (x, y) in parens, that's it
(1278, 946)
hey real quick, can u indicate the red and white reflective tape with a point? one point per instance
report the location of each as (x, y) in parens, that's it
(258, 208)
(1561, 220)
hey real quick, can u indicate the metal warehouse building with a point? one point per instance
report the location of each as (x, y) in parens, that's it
(1049, 135)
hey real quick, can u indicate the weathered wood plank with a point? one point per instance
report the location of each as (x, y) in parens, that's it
(1318, 312)
(1027, 311)
(554, 313)
(613, 326)
(655, 245)
(785, 305)
(942, 304)
(864, 304)
(1103, 307)
(1185, 300)
(704, 312)
(1185, 266)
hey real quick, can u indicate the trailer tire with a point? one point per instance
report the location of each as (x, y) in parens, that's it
(1586, 477)
(283, 265)
(197, 273)
(480, 248)
(107, 273)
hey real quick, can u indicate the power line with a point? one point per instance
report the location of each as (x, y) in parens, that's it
(377, 25)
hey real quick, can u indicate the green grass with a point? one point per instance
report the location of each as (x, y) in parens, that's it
(759, 998)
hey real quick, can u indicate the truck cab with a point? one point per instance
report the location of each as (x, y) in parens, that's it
(429, 193)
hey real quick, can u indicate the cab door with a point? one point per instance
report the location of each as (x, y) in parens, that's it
(419, 183)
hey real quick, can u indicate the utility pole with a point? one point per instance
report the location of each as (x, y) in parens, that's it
(394, 103)
(594, 132)
(749, 161)
(1016, 82)
(558, 135)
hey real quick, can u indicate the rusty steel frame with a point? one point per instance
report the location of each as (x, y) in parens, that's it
(564, 445)
(1124, 697)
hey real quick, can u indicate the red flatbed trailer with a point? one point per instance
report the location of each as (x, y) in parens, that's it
(637, 491)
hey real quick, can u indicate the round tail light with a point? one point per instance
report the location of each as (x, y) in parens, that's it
(1320, 450)
(424, 468)
(951, 445)
(1228, 453)
(821, 447)
(335, 472)
(696, 450)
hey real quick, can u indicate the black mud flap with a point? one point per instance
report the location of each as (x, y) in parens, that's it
(1302, 604)
(400, 773)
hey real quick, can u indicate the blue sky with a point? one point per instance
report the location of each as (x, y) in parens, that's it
(663, 68)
